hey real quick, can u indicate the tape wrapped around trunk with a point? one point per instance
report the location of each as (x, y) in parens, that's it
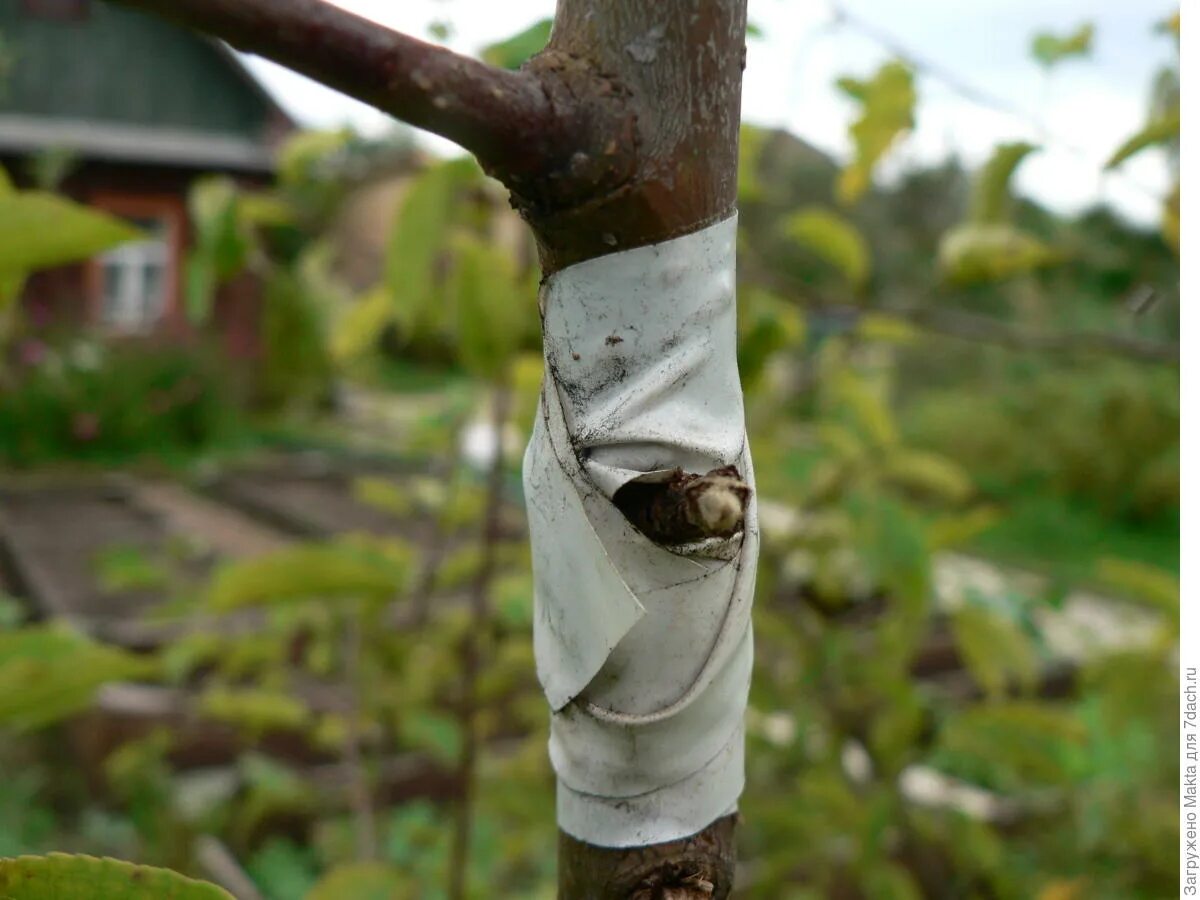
(644, 652)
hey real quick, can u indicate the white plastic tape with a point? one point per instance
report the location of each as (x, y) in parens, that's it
(644, 652)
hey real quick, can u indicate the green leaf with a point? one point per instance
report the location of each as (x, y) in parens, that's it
(887, 102)
(436, 733)
(751, 143)
(358, 330)
(1160, 131)
(419, 238)
(308, 572)
(1049, 49)
(996, 651)
(835, 240)
(50, 672)
(59, 876)
(991, 199)
(928, 474)
(513, 52)
(305, 151)
(254, 709)
(363, 881)
(971, 254)
(1017, 741)
(39, 230)
(489, 307)
(1147, 584)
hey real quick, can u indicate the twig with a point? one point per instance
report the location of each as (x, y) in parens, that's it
(492, 112)
(220, 865)
(358, 784)
(461, 846)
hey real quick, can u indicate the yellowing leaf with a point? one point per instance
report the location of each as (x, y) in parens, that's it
(834, 239)
(887, 103)
(750, 149)
(1159, 131)
(39, 230)
(929, 474)
(59, 875)
(970, 254)
(1050, 49)
(991, 198)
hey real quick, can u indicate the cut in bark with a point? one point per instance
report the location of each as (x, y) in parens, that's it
(622, 133)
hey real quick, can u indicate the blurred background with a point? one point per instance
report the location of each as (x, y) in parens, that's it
(268, 362)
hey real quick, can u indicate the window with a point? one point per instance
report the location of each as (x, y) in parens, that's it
(134, 280)
(56, 9)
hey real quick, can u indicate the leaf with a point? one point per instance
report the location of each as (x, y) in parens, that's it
(1049, 49)
(513, 52)
(488, 307)
(971, 254)
(58, 876)
(834, 239)
(928, 474)
(995, 650)
(51, 672)
(419, 236)
(865, 405)
(991, 199)
(254, 709)
(751, 142)
(39, 230)
(886, 329)
(887, 103)
(436, 733)
(308, 572)
(304, 151)
(1147, 584)
(358, 330)
(363, 881)
(1019, 740)
(1159, 131)
(955, 530)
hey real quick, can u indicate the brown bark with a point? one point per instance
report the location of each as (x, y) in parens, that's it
(622, 133)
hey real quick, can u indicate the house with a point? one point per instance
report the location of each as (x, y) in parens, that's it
(132, 109)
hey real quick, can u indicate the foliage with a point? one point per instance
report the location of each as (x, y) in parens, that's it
(886, 102)
(59, 875)
(84, 401)
(1050, 49)
(39, 230)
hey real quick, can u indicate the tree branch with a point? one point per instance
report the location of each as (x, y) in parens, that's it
(498, 115)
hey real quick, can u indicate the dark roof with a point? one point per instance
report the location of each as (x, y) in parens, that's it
(117, 84)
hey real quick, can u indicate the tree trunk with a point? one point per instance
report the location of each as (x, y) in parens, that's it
(621, 134)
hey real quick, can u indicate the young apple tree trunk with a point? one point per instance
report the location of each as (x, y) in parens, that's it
(622, 133)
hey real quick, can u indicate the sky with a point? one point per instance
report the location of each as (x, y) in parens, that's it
(1078, 114)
